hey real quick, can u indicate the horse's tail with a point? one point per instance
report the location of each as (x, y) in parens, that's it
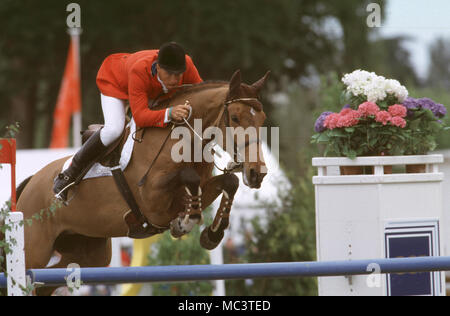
(22, 186)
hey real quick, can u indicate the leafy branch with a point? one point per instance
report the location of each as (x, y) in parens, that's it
(12, 130)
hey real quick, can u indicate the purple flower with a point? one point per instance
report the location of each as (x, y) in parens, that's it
(441, 110)
(438, 110)
(318, 126)
(411, 103)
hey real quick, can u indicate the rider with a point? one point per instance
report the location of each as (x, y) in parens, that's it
(139, 78)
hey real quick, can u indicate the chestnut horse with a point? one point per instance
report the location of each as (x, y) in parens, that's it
(172, 196)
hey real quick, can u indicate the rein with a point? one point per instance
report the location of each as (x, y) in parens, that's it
(223, 110)
(144, 178)
(232, 165)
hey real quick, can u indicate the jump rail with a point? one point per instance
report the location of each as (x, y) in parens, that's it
(57, 277)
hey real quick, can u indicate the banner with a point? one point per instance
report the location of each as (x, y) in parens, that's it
(69, 99)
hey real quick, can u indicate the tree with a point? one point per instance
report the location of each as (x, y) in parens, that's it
(439, 68)
(31, 52)
(394, 60)
(287, 234)
(355, 37)
(288, 37)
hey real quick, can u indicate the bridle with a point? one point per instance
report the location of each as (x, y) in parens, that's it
(236, 164)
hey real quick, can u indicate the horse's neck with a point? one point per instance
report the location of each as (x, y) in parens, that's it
(207, 105)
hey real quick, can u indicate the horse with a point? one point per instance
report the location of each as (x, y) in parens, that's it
(172, 197)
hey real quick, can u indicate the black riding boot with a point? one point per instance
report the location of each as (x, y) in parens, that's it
(91, 150)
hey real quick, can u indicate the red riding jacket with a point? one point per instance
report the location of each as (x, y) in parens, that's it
(133, 77)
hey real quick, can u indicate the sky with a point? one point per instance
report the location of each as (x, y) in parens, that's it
(423, 20)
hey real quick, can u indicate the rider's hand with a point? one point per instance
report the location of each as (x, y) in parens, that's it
(179, 112)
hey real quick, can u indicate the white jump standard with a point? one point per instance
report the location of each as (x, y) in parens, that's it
(380, 216)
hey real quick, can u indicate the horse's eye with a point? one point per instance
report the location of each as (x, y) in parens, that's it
(235, 119)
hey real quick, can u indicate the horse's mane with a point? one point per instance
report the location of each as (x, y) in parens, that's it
(190, 89)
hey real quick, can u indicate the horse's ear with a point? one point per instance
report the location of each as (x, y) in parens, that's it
(260, 83)
(235, 83)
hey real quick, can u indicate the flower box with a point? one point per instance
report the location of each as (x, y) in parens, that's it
(379, 119)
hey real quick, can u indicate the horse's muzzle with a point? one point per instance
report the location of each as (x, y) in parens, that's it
(253, 176)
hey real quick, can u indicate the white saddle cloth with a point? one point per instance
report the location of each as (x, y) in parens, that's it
(98, 170)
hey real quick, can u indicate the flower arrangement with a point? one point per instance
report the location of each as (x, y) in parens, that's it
(379, 119)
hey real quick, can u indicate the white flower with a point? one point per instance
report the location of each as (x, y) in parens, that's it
(375, 88)
(394, 87)
(357, 80)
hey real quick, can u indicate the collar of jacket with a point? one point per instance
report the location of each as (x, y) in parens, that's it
(154, 70)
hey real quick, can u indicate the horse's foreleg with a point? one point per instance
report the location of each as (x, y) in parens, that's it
(192, 214)
(228, 185)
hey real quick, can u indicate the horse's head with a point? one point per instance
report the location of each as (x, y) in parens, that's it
(245, 115)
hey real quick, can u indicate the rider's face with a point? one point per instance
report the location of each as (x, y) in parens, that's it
(170, 80)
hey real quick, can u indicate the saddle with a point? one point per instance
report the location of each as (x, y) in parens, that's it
(138, 225)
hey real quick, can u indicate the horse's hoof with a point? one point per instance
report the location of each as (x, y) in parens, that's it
(209, 239)
(175, 228)
(180, 227)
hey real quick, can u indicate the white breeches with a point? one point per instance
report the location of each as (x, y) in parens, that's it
(114, 115)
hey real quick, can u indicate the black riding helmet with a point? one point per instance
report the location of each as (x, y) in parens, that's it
(171, 57)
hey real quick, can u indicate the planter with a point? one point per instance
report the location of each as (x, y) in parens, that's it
(420, 168)
(351, 170)
(358, 170)
(387, 169)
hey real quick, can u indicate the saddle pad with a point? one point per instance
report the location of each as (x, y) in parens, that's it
(99, 170)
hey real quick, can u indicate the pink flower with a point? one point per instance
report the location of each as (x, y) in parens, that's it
(331, 121)
(345, 111)
(368, 108)
(383, 117)
(351, 118)
(346, 118)
(397, 110)
(398, 121)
